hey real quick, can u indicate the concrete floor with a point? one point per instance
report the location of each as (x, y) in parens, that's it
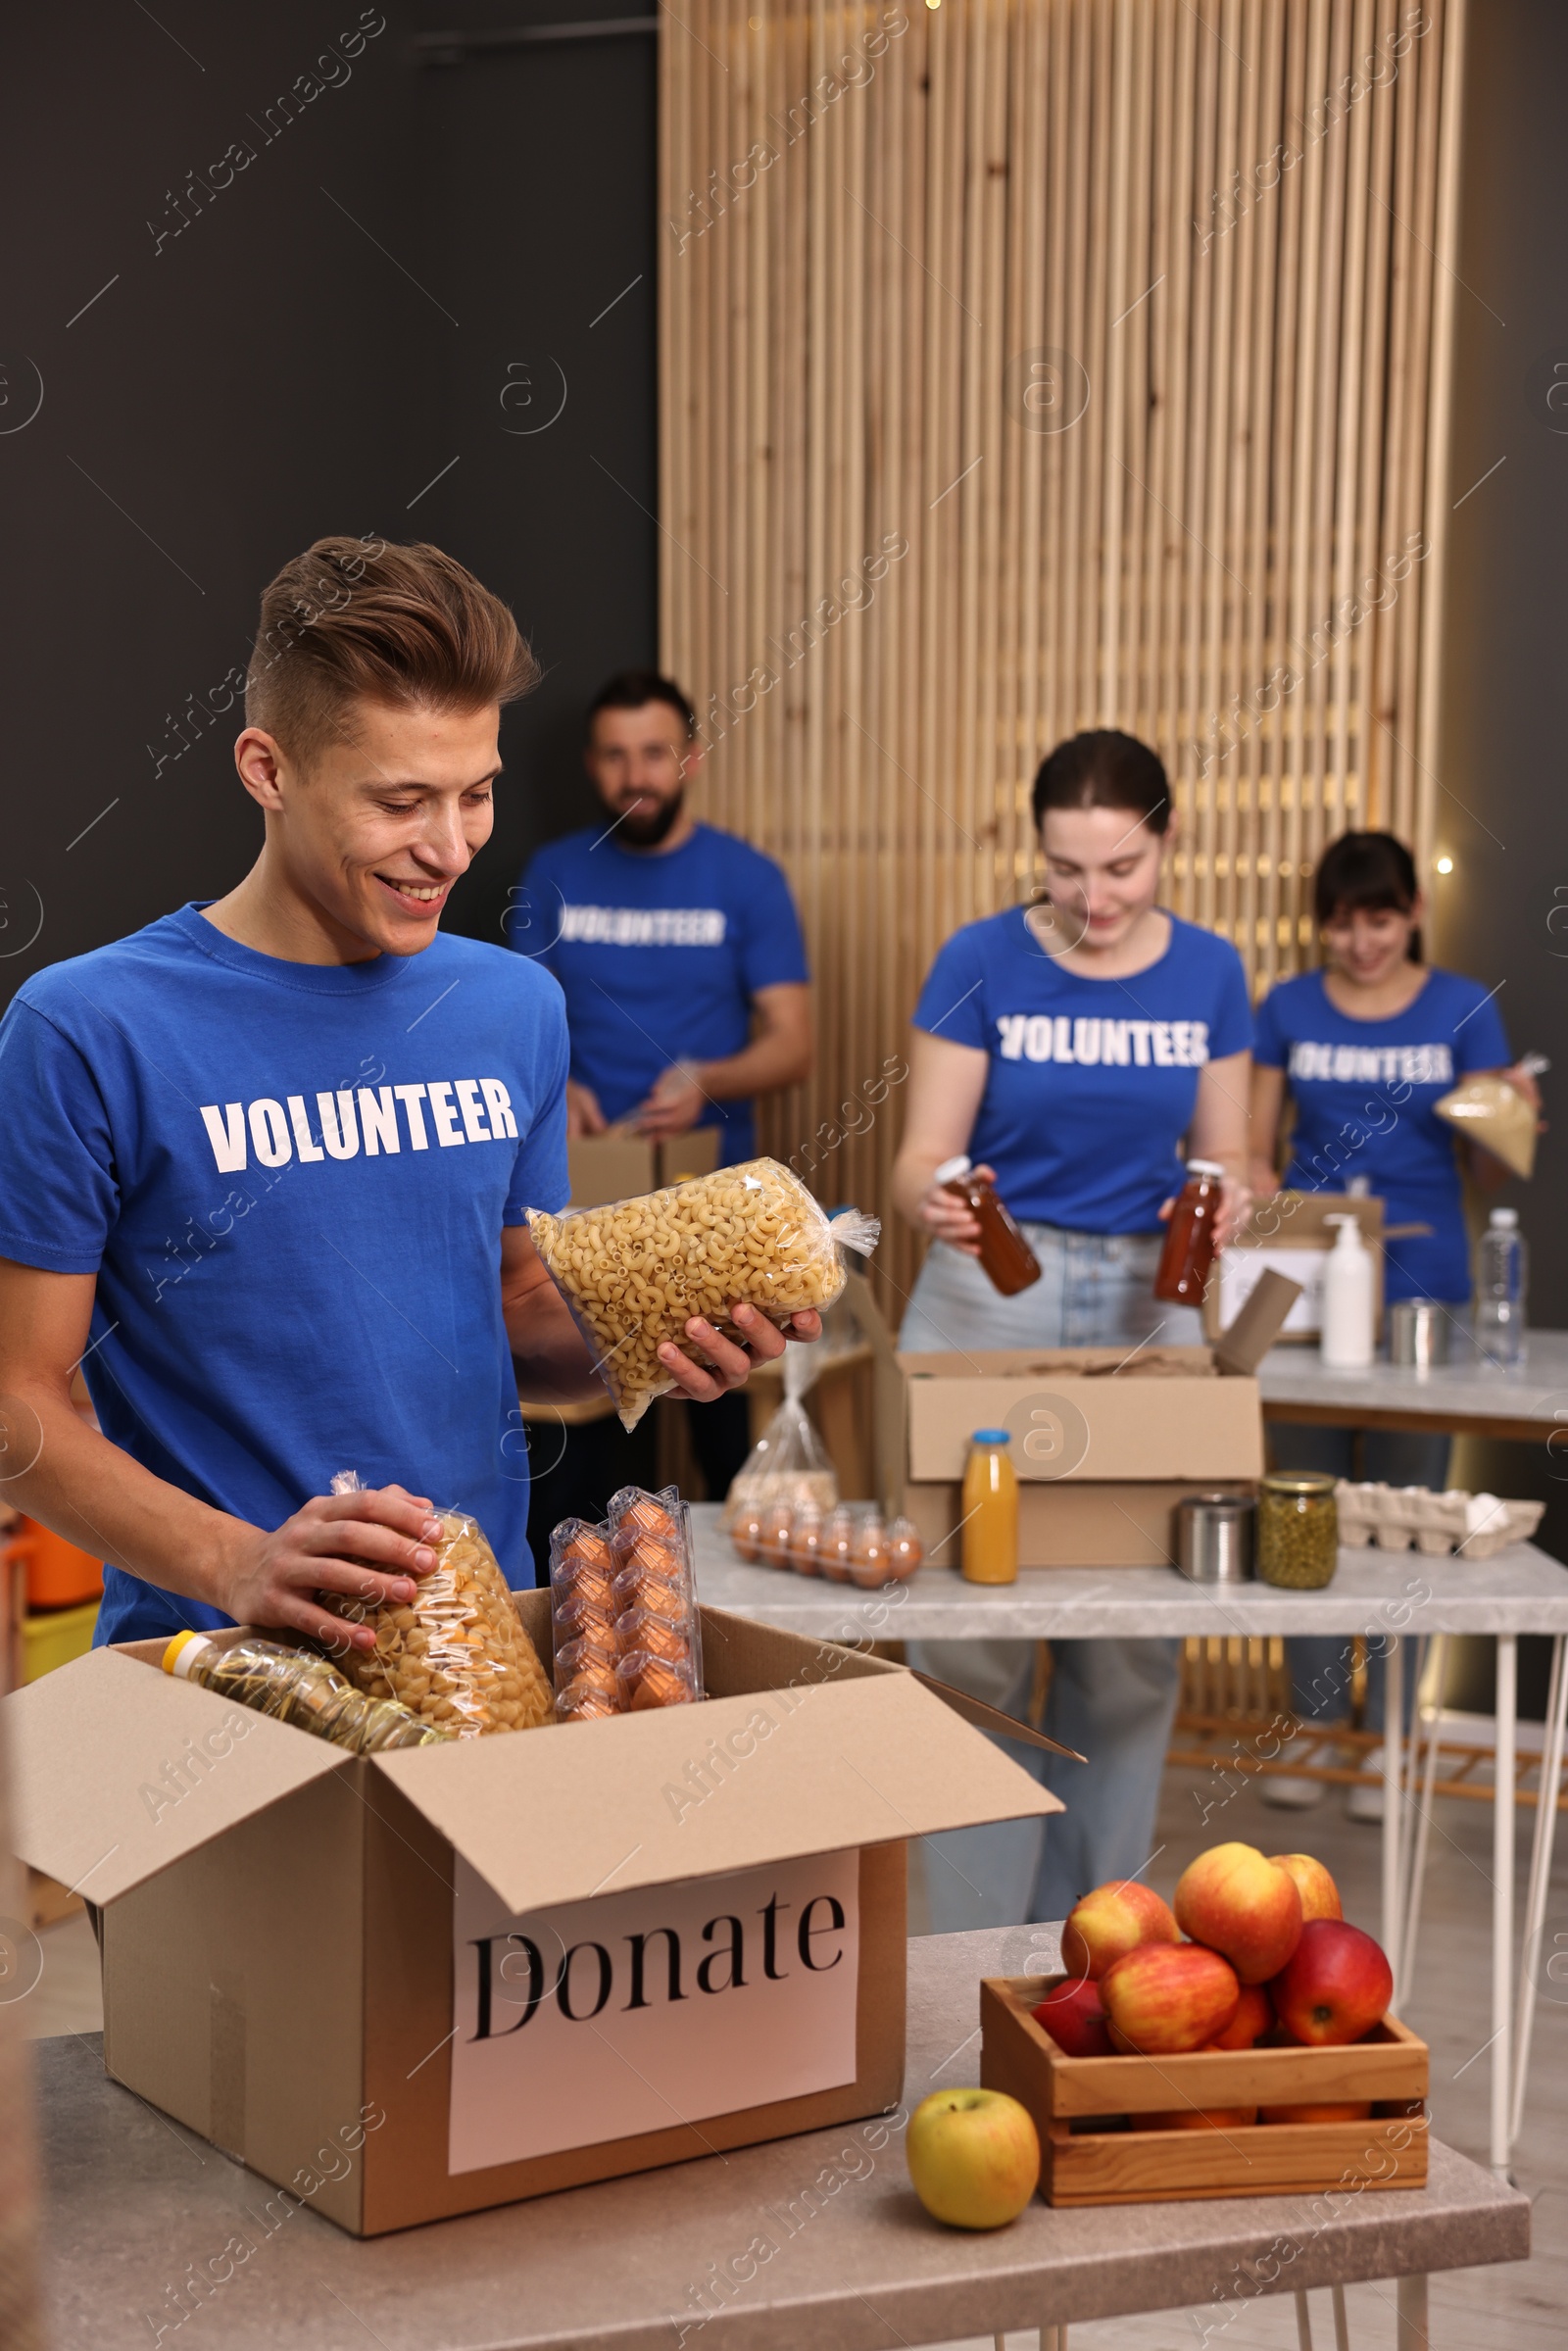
(1523, 2307)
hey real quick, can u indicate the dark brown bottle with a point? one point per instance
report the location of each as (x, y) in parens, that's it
(1188, 1255)
(1005, 1254)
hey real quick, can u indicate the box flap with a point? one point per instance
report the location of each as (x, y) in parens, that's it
(1082, 1426)
(1241, 1349)
(646, 1799)
(118, 1770)
(992, 1719)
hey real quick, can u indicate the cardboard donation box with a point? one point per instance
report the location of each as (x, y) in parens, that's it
(1107, 1441)
(1289, 1235)
(620, 1165)
(417, 1984)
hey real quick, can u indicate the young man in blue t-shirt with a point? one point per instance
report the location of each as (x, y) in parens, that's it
(679, 951)
(265, 1165)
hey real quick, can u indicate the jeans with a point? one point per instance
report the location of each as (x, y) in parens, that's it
(1113, 1701)
(1320, 1663)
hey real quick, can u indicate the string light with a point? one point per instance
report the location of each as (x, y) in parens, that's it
(1445, 864)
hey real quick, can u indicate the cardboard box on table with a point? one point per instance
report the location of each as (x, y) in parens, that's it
(1105, 1439)
(419, 1984)
(1291, 1235)
(621, 1166)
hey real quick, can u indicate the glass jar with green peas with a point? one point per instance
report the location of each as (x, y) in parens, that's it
(1297, 1529)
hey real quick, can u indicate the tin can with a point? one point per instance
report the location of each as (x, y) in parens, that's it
(1418, 1332)
(1214, 1536)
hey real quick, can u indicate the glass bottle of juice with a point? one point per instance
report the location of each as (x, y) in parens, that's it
(1186, 1260)
(989, 1510)
(1005, 1254)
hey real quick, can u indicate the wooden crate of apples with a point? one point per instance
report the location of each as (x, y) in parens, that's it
(1256, 2057)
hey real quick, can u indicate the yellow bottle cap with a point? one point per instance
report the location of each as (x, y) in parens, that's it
(177, 1650)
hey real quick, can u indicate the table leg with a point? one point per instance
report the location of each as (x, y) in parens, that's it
(1342, 2324)
(1411, 2323)
(1392, 1800)
(1416, 1872)
(1503, 1843)
(1545, 1837)
(1303, 2323)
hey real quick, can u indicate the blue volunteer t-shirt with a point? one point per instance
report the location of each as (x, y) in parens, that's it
(660, 955)
(290, 1180)
(1091, 1082)
(1364, 1092)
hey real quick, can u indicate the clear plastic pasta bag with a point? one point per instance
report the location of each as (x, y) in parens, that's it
(634, 1272)
(1496, 1115)
(457, 1653)
(787, 1464)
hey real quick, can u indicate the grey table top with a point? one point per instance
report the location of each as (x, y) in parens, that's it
(131, 2203)
(1519, 1590)
(1471, 1387)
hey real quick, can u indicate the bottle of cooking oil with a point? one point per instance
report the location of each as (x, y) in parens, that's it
(295, 1686)
(989, 1510)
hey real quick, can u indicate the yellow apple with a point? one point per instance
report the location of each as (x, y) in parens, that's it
(973, 2157)
(1116, 1918)
(1320, 1896)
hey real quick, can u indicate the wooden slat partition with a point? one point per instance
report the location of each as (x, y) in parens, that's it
(1030, 365)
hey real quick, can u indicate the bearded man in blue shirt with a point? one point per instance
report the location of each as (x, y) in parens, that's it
(680, 956)
(265, 1165)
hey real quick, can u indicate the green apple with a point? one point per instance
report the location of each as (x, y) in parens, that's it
(973, 2157)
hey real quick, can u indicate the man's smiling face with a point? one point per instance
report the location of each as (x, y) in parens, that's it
(373, 830)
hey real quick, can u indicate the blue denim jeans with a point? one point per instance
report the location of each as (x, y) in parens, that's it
(1112, 1699)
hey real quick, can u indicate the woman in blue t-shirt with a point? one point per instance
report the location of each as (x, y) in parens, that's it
(1077, 1050)
(1365, 1048)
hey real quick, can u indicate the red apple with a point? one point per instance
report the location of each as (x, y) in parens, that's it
(1250, 2022)
(1169, 1996)
(1116, 1918)
(1241, 1905)
(973, 2157)
(1197, 2118)
(1320, 1896)
(1350, 2110)
(1074, 2016)
(1337, 1985)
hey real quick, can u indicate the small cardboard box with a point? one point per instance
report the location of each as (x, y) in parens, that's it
(1106, 1440)
(1291, 1235)
(620, 1165)
(414, 1984)
(1098, 2147)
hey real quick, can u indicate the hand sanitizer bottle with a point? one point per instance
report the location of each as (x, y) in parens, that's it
(1347, 1343)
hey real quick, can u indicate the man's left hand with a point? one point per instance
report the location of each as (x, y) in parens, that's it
(728, 1365)
(675, 1105)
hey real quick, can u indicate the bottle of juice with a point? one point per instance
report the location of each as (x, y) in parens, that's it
(1188, 1255)
(1005, 1254)
(989, 1510)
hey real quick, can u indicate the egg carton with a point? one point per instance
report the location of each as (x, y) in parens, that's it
(1398, 1517)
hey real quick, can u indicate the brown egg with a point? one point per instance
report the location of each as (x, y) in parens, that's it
(645, 1516)
(585, 1707)
(587, 1549)
(638, 1629)
(652, 1683)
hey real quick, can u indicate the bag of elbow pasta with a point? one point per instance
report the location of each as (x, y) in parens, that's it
(636, 1271)
(455, 1654)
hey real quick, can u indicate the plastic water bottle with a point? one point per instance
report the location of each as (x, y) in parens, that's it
(1502, 1282)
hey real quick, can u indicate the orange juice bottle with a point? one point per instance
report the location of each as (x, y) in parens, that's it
(989, 1510)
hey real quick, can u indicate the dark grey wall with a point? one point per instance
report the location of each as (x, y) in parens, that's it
(1504, 915)
(274, 368)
